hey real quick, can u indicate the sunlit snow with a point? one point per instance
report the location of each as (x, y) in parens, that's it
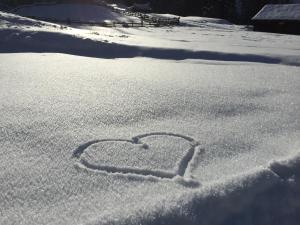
(193, 124)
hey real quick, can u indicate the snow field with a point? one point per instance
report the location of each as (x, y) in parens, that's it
(185, 125)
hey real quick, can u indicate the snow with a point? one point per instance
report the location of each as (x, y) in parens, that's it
(195, 124)
(164, 155)
(279, 12)
(73, 12)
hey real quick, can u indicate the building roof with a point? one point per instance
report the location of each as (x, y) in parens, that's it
(279, 12)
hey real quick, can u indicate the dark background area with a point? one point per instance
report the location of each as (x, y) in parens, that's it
(237, 11)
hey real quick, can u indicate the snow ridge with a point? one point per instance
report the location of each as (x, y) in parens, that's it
(232, 201)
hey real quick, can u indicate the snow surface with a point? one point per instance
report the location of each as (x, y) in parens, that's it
(196, 124)
(76, 12)
(279, 12)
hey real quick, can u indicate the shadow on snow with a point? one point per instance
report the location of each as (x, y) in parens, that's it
(16, 41)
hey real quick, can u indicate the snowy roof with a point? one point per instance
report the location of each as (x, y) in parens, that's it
(279, 12)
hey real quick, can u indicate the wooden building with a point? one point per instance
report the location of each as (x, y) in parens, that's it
(278, 18)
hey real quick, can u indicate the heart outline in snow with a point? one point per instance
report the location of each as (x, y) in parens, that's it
(181, 167)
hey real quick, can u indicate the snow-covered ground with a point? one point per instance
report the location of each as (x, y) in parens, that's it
(195, 124)
(77, 12)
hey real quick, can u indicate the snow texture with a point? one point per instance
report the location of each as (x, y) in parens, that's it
(188, 125)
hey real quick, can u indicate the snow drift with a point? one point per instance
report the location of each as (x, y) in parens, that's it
(262, 196)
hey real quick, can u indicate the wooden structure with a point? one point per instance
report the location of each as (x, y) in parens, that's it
(147, 18)
(278, 18)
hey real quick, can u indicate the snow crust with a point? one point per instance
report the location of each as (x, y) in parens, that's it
(75, 94)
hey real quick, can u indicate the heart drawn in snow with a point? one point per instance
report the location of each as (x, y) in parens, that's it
(163, 155)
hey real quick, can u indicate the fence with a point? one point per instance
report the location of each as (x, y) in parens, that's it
(157, 20)
(102, 24)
